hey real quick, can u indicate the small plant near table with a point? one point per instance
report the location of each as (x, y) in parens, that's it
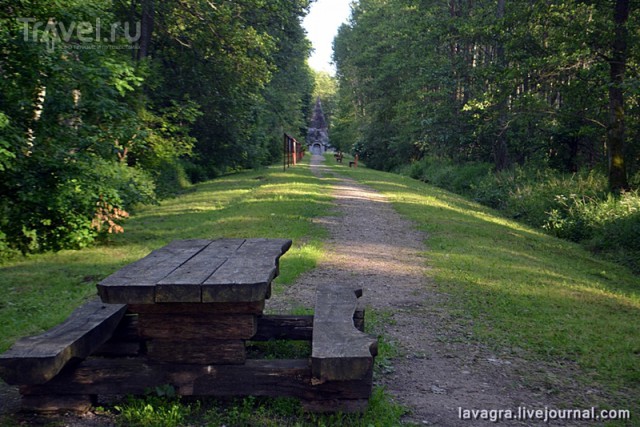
(160, 408)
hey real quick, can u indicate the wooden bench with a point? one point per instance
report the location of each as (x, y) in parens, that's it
(198, 348)
(340, 352)
(37, 359)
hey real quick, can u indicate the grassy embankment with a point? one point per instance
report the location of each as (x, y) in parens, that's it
(528, 294)
(40, 291)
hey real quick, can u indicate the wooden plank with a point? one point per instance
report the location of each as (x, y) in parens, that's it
(271, 248)
(339, 351)
(288, 378)
(197, 327)
(253, 266)
(283, 327)
(183, 284)
(202, 352)
(242, 307)
(135, 283)
(37, 359)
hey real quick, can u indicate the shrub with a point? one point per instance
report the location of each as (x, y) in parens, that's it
(63, 202)
(170, 178)
(576, 207)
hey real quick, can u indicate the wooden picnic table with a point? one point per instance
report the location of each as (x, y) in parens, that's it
(198, 271)
(183, 316)
(198, 301)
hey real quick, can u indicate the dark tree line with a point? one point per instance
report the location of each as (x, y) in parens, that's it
(510, 82)
(105, 104)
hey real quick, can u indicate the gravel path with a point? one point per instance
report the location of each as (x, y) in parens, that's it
(440, 368)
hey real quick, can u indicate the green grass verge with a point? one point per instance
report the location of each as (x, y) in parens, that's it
(166, 411)
(526, 293)
(40, 291)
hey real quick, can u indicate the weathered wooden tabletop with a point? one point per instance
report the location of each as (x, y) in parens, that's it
(193, 271)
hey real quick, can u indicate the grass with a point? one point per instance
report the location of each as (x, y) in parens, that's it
(40, 291)
(251, 411)
(526, 294)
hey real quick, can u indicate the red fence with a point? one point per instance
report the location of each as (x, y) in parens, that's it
(293, 151)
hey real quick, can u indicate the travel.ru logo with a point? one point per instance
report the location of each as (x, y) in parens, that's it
(83, 34)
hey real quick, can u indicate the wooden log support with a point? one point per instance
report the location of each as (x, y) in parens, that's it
(292, 378)
(200, 352)
(283, 327)
(339, 352)
(37, 359)
(289, 327)
(198, 327)
(196, 309)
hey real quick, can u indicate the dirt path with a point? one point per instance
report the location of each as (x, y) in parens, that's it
(440, 369)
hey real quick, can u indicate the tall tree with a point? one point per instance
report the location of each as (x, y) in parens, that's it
(617, 67)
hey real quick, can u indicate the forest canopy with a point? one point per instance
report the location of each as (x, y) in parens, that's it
(553, 84)
(106, 104)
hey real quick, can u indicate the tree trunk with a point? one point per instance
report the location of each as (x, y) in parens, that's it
(148, 11)
(500, 149)
(616, 132)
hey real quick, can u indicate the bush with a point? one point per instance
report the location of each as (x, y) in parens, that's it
(170, 178)
(576, 207)
(66, 202)
(444, 173)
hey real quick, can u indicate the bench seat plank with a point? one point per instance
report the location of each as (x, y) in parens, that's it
(37, 359)
(340, 352)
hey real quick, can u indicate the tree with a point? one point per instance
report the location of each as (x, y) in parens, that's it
(88, 129)
(617, 67)
(544, 83)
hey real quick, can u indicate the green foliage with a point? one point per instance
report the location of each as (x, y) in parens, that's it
(87, 131)
(52, 201)
(576, 207)
(279, 349)
(153, 411)
(166, 411)
(469, 82)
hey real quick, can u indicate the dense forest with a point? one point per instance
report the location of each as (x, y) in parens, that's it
(527, 106)
(509, 82)
(107, 104)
